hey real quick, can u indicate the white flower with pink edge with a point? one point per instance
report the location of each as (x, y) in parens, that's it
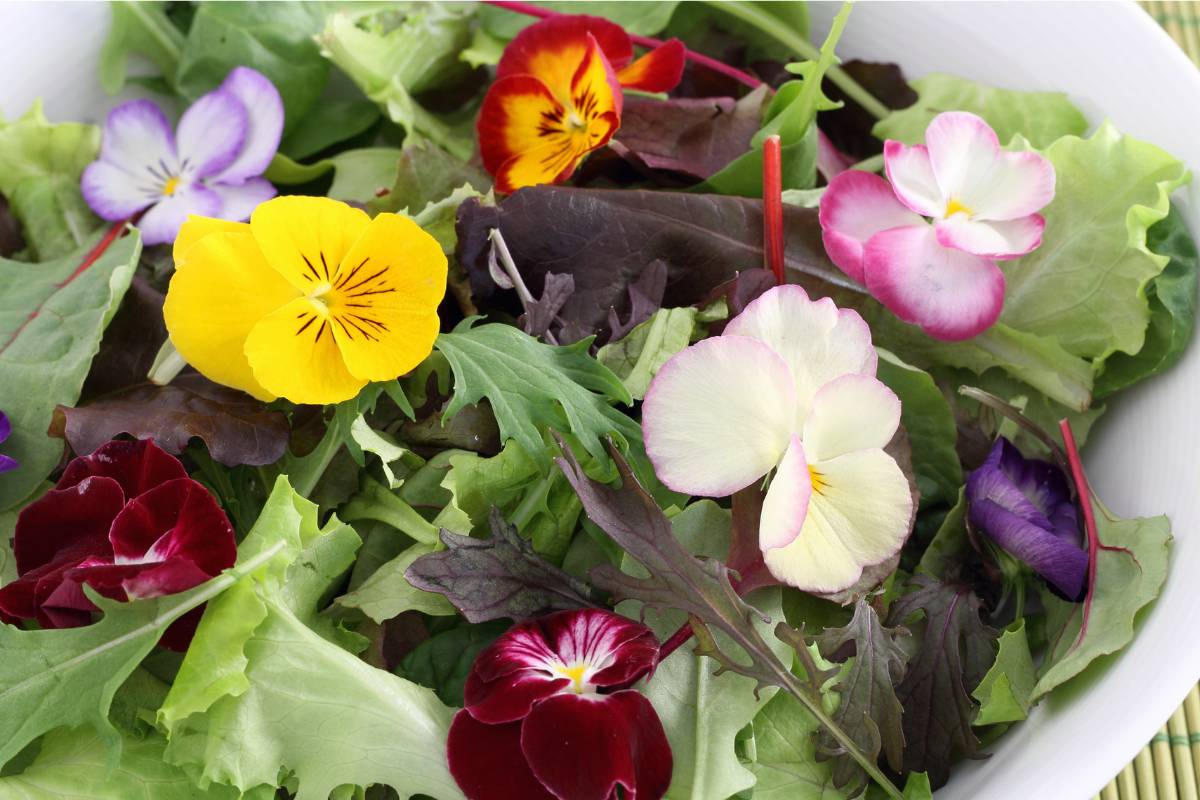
(983, 203)
(789, 387)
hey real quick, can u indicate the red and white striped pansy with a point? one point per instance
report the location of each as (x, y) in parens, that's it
(542, 721)
(789, 388)
(982, 204)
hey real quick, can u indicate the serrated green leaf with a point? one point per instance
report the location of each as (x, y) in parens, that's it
(51, 318)
(387, 593)
(1005, 691)
(785, 763)
(637, 357)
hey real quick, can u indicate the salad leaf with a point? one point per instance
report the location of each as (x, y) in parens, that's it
(130, 343)
(388, 593)
(639, 17)
(849, 127)
(1131, 566)
(52, 678)
(955, 653)
(713, 30)
(74, 763)
(1005, 691)
(51, 319)
(637, 357)
(949, 545)
(427, 173)
(236, 428)
(1041, 117)
(785, 753)
(1111, 188)
(391, 61)
(929, 422)
(532, 385)
(360, 175)
(1172, 297)
(354, 724)
(145, 29)
(503, 576)
(868, 710)
(330, 122)
(40, 165)
(443, 661)
(276, 40)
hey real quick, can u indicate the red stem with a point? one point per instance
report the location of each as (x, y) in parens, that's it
(1084, 492)
(530, 10)
(773, 207)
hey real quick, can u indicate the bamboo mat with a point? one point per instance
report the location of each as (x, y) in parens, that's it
(1168, 768)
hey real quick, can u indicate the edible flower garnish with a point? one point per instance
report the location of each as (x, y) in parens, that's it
(557, 96)
(211, 165)
(789, 386)
(1024, 505)
(541, 721)
(128, 522)
(983, 202)
(6, 462)
(310, 301)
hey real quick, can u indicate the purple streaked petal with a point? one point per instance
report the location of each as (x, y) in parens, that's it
(138, 140)
(264, 109)
(113, 194)
(5, 426)
(8, 464)
(1059, 562)
(239, 201)
(211, 134)
(161, 223)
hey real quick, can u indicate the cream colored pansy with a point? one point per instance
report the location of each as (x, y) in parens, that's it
(789, 387)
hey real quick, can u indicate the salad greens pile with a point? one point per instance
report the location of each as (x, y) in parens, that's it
(386, 541)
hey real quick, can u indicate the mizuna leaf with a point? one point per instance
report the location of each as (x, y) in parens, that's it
(531, 385)
(956, 651)
(51, 319)
(488, 579)
(869, 709)
(236, 428)
(1005, 691)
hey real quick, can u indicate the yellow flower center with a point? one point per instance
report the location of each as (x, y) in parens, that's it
(818, 481)
(575, 673)
(956, 206)
(171, 186)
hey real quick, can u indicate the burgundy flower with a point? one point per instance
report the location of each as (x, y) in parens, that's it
(538, 724)
(1024, 505)
(127, 521)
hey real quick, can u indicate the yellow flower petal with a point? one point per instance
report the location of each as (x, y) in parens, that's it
(196, 228)
(222, 290)
(293, 354)
(305, 238)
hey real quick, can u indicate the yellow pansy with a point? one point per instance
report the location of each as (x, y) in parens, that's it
(311, 300)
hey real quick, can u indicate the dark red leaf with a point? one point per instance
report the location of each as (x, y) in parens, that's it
(849, 127)
(131, 342)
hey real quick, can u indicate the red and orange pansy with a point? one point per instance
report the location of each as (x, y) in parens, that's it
(557, 96)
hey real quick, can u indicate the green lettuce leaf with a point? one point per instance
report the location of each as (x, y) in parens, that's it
(637, 357)
(1041, 117)
(329, 122)
(387, 593)
(40, 165)
(293, 702)
(1005, 691)
(444, 660)
(74, 763)
(1086, 285)
(785, 762)
(427, 173)
(638, 17)
(142, 28)
(51, 318)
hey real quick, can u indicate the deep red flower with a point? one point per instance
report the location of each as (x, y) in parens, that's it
(538, 724)
(127, 521)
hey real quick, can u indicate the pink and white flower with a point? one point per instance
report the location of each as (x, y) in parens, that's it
(542, 722)
(788, 387)
(982, 202)
(210, 165)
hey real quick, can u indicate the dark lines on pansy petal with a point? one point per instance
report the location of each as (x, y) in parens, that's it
(315, 275)
(349, 276)
(324, 324)
(376, 291)
(324, 265)
(379, 325)
(304, 327)
(366, 280)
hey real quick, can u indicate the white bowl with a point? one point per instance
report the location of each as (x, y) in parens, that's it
(1114, 62)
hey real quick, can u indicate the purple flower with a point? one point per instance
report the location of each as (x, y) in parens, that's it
(1024, 505)
(211, 165)
(6, 462)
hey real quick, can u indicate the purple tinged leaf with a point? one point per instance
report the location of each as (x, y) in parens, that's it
(955, 653)
(540, 315)
(849, 127)
(488, 579)
(645, 297)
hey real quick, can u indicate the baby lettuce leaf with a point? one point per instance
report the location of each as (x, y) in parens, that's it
(503, 576)
(236, 428)
(534, 386)
(443, 661)
(388, 593)
(929, 422)
(637, 357)
(1131, 566)
(424, 174)
(869, 710)
(1086, 285)
(53, 678)
(330, 122)
(640, 17)
(51, 318)
(40, 165)
(1172, 297)
(145, 29)
(1004, 694)
(703, 713)
(1041, 117)
(955, 653)
(849, 127)
(266, 690)
(785, 753)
